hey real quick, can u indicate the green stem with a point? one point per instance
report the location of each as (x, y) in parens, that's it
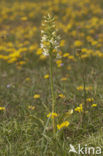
(85, 96)
(52, 90)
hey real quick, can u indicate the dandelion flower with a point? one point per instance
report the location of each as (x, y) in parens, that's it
(78, 43)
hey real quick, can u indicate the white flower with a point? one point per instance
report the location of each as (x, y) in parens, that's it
(58, 56)
(44, 38)
(41, 45)
(45, 53)
(42, 31)
(49, 39)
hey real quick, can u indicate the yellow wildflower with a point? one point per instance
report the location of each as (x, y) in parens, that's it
(69, 26)
(2, 108)
(94, 43)
(27, 79)
(80, 88)
(24, 18)
(21, 62)
(39, 51)
(54, 50)
(84, 56)
(66, 54)
(94, 105)
(46, 76)
(70, 57)
(31, 107)
(84, 50)
(86, 88)
(59, 63)
(42, 57)
(36, 96)
(79, 109)
(89, 99)
(63, 124)
(62, 96)
(77, 43)
(89, 88)
(63, 78)
(46, 43)
(62, 43)
(52, 115)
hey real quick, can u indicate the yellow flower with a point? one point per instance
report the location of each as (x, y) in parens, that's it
(2, 108)
(89, 88)
(89, 38)
(46, 43)
(3, 57)
(94, 43)
(59, 63)
(36, 96)
(94, 105)
(80, 88)
(42, 57)
(63, 78)
(63, 124)
(66, 54)
(89, 99)
(46, 76)
(79, 109)
(84, 50)
(27, 79)
(31, 107)
(62, 96)
(24, 18)
(69, 26)
(52, 115)
(54, 50)
(84, 56)
(62, 43)
(70, 57)
(22, 62)
(39, 51)
(77, 43)
(86, 88)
